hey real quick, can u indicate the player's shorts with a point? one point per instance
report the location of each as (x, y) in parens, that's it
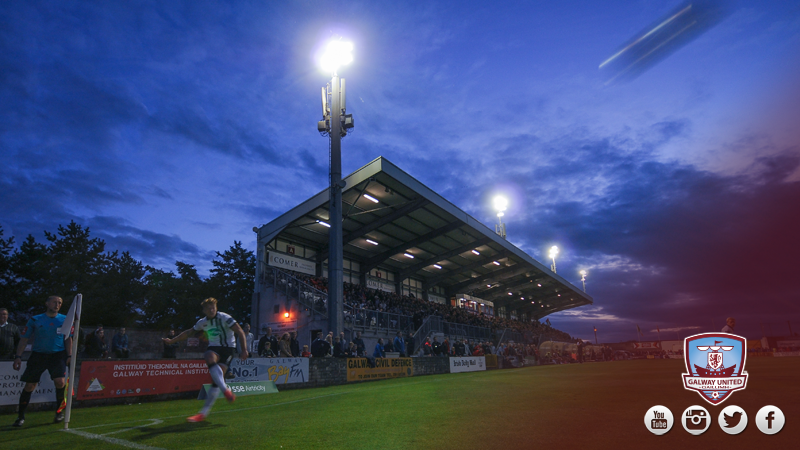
(55, 363)
(225, 354)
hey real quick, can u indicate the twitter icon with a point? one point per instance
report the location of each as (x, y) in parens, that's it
(732, 419)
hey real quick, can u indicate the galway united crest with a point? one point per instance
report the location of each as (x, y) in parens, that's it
(715, 362)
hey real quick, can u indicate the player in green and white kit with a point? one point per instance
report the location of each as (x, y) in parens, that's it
(221, 329)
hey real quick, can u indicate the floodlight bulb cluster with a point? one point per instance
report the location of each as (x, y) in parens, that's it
(336, 55)
(553, 251)
(500, 203)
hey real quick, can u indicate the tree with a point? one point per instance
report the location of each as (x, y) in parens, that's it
(232, 280)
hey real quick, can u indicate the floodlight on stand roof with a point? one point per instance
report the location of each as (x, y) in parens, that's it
(372, 242)
(495, 263)
(408, 255)
(476, 252)
(437, 266)
(371, 198)
(337, 54)
(325, 224)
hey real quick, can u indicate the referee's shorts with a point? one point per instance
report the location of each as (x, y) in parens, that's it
(55, 363)
(225, 354)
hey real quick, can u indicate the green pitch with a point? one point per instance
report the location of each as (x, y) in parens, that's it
(594, 405)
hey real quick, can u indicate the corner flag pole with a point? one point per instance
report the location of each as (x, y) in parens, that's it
(72, 322)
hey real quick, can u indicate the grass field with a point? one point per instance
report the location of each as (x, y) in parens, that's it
(595, 405)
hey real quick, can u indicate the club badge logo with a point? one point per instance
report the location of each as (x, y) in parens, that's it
(715, 365)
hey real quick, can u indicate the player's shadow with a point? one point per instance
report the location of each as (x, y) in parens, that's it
(153, 431)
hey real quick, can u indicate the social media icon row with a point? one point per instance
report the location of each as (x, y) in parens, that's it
(696, 419)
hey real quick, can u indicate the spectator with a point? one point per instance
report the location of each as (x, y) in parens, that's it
(265, 344)
(96, 346)
(251, 340)
(458, 348)
(478, 351)
(379, 350)
(305, 353)
(362, 349)
(329, 340)
(409, 344)
(9, 336)
(352, 350)
(436, 346)
(91, 337)
(284, 346)
(389, 347)
(119, 344)
(446, 347)
(338, 350)
(426, 347)
(294, 345)
(400, 344)
(320, 347)
(730, 322)
(170, 350)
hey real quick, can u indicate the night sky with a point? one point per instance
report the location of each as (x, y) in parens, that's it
(172, 129)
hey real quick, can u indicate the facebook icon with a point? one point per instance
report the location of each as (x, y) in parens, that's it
(770, 419)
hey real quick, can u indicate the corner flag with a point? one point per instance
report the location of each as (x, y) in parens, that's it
(71, 323)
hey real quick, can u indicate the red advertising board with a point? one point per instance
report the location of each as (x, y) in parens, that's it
(109, 379)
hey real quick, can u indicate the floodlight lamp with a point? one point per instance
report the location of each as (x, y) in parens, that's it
(286, 314)
(553, 251)
(500, 203)
(336, 55)
(437, 266)
(583, 272)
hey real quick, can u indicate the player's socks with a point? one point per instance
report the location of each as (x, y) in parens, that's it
(217, 376)
(24, 399)
(213, 393)
(60, 400)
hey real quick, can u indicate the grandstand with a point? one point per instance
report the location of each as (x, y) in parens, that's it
(406, 250)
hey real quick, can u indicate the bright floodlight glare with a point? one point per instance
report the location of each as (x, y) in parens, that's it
(325, 224)
(437, 266)
(371, 198)
(337, 54)
(583, 272)
(500, 203)
(553, 251)
(372, 242)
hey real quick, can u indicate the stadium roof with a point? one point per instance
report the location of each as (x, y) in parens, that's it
(410, 218)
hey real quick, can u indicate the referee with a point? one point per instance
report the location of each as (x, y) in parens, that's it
(50, 352)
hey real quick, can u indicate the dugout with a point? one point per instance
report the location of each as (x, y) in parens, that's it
(399, 236)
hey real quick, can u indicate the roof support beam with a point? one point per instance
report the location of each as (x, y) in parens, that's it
(433, 281)
(398, 213)
(410, 270)
(373, 262)
(507, 272)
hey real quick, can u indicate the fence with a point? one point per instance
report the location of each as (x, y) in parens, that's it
(296, 289)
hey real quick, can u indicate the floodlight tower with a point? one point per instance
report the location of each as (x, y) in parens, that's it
(500, 205)
(553, 253)
(583, 279)
(335, 123)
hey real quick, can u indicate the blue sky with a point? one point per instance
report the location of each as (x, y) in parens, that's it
(172, 128)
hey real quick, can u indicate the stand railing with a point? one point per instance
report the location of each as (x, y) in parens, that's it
(296, 289)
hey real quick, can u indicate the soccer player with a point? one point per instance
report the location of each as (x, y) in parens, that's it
(51, 350)
(220, 329)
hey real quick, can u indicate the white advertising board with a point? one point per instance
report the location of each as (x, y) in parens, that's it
(285, 261)
(11, 387)
(279, 370)
(467, 364)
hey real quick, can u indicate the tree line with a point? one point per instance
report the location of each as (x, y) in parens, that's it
(118, 290)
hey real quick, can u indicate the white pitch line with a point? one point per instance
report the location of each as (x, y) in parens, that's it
(129, 444)
(152, 422)
(112, 440)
